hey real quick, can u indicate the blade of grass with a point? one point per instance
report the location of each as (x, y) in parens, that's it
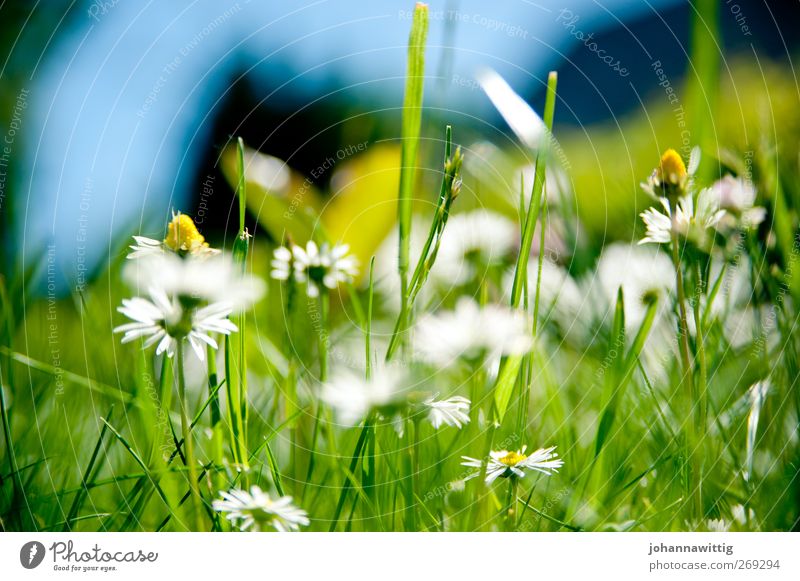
(273, 467)
(410, 133)
(546, 516)
(614, 355)
(139, 461)
(91, 384)
(536, 196)
(87, 475)
(362, 437)
(10, 452)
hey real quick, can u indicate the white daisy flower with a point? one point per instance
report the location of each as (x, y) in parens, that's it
(189, 298)
(644, 275)
(757, 394)
(509, 463)
(144, 247)
(742, 517)
(658, 224)
(281, 263)
(473, 333)
(718, 525)
(453, 411)
(471, 243)
(256, 510)
(688, 221)
(165, 321)
(738, 197)
(212, 279)
(183, 238)
(318, 266)
(352, 397)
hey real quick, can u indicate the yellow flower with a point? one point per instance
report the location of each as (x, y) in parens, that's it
(512, 458)
(183, 237)
(671, 170)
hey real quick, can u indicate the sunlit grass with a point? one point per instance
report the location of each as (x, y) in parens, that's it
(611, 387)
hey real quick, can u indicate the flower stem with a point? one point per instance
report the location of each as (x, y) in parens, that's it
(216, 416)
(413, 481)
(511, 501)
(324, 338)
(701, 354)
(700, 405)
(322, 346)
(682, 319)
(687, 376)
(188, 444)
(410, 132)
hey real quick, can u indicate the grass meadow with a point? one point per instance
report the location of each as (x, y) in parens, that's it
(491, 360)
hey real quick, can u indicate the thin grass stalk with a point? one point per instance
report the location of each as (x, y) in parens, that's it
(148, 474)
(448, 191)
(12, 459)
(8, 328)
(410, 133)
(324, 334)
(509, 517)
(188, 443)
(368, 329)
(703, 90)
(354, 459)
(540, 264)
(232, 397)
(712, 295)
(683, 327)
(527, 377)
(702, 383)
(505, 383)
(237, 383)
(687, 378)
(87, 475)
(215, 413)
(536, 196)
(323, 340)
(412, 475)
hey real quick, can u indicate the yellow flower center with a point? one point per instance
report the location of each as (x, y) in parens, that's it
(182, 235)
(671, 170)
(512, 458)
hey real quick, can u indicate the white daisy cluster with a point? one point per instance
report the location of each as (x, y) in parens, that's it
(687, 221)
(506, 464)
(353, 397)
(161, 319)
(453, 411)
(737, 197)
(317, 266)
(725, 206)
(388, 394)
(187, 296)
(255, 510)
(473, 333)
(472, 243)
(645, 276)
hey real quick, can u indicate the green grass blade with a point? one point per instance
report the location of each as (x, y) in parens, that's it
(536, 197)
(87, 475)
(614, 355)
(410, 133)
(504, 386)
(140, 462)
